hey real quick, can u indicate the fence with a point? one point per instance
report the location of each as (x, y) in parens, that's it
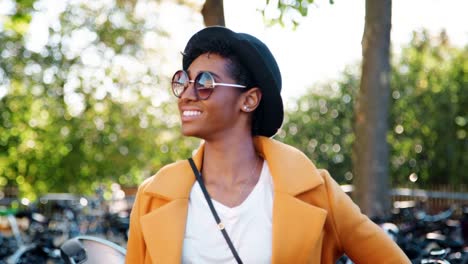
(433, 198)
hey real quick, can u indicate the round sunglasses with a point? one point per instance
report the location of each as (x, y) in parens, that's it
(204, 84)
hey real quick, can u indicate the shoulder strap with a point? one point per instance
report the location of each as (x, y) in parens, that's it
(213, 210)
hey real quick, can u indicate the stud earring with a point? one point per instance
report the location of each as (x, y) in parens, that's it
(246, 108)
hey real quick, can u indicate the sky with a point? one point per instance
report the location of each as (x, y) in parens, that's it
(329, 38)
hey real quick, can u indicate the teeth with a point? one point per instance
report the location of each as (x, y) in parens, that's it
(191, 113)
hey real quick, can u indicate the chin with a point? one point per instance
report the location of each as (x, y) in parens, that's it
(191, 132)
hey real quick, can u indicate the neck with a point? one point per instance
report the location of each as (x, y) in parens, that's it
(229, 161)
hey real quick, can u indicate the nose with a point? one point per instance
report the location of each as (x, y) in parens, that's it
(189, 93)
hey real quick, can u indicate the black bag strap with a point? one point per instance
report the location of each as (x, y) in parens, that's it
(221, 226)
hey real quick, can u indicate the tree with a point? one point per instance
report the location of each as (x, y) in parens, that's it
(320, 124)
(290, 11)
(428, 118)
(85, 106)
(371, 114)
(213, 13)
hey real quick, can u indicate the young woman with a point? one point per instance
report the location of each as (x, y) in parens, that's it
(246, 197)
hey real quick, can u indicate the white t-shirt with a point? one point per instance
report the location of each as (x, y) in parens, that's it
(248, 225)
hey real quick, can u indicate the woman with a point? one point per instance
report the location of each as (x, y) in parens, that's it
(265, 202)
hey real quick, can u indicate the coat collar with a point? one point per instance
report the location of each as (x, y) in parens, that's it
(297, 226)
(175, 181)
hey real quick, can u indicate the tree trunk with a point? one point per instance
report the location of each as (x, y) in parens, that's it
(370, 148)
(213, 13)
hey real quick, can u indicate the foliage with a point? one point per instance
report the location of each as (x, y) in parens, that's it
(286, 12)
(428, 136)
(320, 124)
(429, 114)
(84, 107)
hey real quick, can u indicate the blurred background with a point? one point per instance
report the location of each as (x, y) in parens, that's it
(86, 109)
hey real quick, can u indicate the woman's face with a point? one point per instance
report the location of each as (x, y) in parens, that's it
(220, 113)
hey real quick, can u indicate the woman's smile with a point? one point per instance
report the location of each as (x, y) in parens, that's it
(188, 115)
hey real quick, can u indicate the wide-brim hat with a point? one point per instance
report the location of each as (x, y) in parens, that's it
(255, 56)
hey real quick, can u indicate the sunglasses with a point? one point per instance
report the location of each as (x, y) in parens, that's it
(203, 84)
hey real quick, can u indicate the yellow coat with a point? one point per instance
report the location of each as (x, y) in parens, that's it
(314, 221)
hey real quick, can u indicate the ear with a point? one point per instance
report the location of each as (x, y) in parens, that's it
(250, 99)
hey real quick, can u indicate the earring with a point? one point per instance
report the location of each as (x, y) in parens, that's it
(246, 108)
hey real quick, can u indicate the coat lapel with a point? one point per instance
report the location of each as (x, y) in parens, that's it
(164, 226)
(296, 229)
(297, 225)
(163, 230)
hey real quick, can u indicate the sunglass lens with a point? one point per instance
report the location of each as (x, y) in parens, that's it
(204, 85)
(179, 83)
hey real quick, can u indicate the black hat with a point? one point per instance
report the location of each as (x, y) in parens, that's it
(255, 56)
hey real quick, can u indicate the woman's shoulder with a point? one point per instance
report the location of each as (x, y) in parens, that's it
(165, 170)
